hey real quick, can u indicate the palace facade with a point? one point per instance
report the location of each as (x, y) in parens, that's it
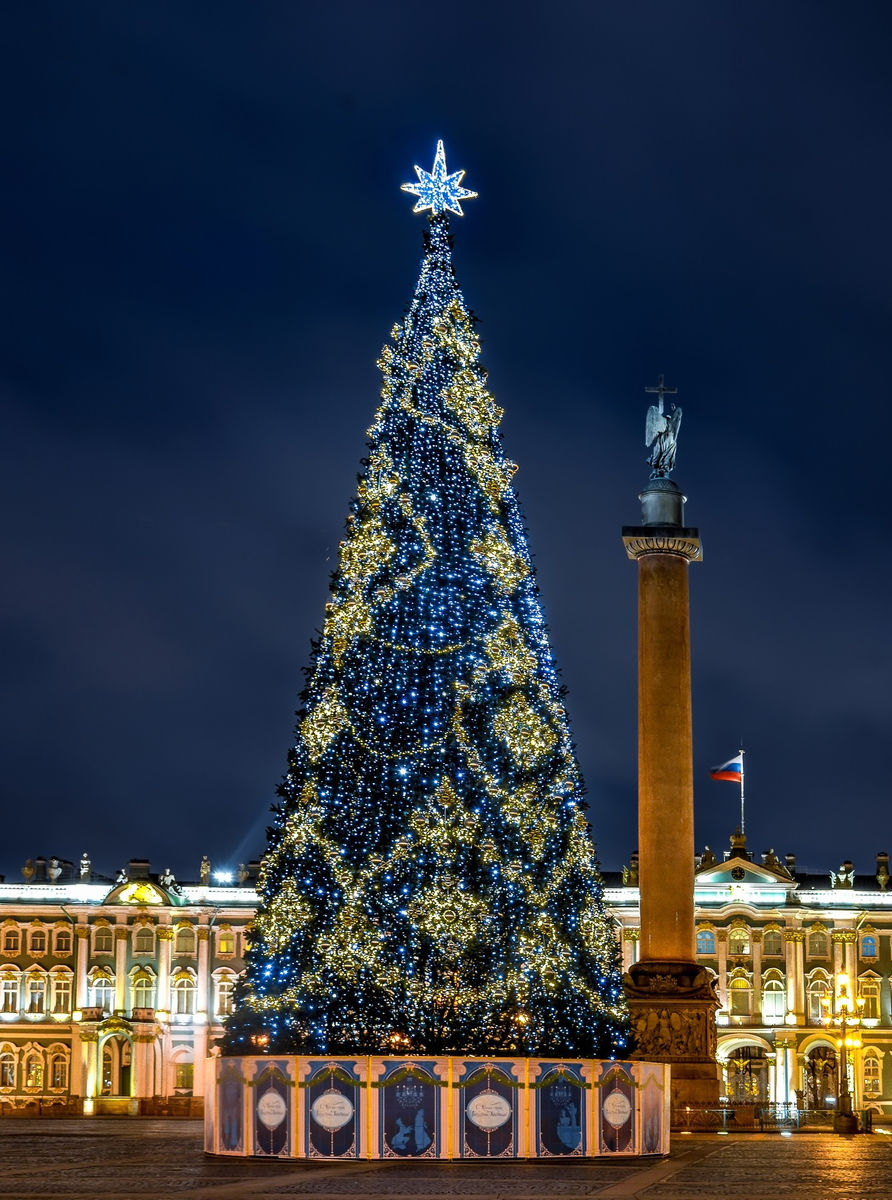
(790, 951)
(113, 991)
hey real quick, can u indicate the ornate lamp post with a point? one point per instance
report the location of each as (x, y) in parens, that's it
(844, 1012)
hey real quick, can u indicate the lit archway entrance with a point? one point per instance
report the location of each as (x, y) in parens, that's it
(117, 1066)
(820, 1077)
(114, 1086)
(745, 1072)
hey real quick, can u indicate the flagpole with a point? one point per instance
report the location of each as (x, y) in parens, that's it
(742, 826)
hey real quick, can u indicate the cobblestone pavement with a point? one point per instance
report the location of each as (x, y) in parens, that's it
(155, 1160)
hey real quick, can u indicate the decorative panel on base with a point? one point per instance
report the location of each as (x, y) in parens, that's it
(435, 1108)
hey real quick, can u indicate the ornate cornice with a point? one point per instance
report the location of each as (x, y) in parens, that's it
(640, 540)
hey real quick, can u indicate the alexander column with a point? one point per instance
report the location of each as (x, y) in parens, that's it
(671, 999)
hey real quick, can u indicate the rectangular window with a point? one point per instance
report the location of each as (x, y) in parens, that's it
(61, 994)
(183, 1076)
(872, 1086)
(870, 994)
(816, 1008)
(9, 996)
(59, 1071)
(773, 1005)
(36, 995)
(772, 944)
(104, 942)
(7, 1070)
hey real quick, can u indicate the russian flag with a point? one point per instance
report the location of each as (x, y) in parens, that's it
(732, 771)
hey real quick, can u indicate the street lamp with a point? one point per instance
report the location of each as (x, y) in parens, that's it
(844, 1012)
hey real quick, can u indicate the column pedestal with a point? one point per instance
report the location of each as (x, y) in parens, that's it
(672, 1006)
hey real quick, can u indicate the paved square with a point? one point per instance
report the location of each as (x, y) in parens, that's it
(155, 1160)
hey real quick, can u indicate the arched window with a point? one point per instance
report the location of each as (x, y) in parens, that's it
(869, 946)
(818, 992)
(143, 988)
(35, 993)
(62, 941)
(818, 945)
(9, 992)
(102, 989)
(7, 1067)
(705, 941)
(183, 990)
(223, 988)
(62, 992)
(185, 940)
(103, 940)
(772, 944)
(11, 940)
(58, 1070)
(773, 1001)
(872, 1075)
(33, 1071)
(739, 941)
(740, 997)
(37, 940)
(144, 940)
(869, 992)
(225, 943)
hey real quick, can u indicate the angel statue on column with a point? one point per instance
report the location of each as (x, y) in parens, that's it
(660, 437)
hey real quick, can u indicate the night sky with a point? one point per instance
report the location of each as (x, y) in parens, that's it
(204, 247)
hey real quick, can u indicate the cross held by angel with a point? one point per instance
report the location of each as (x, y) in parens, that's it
(661, 431)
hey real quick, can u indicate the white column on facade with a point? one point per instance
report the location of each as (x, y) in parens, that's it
(721, 945)
(852, 959)
(83, 954)
(793, 950)
(121, 935)
(199, 1059)
(204, 1007)
(756, 942)
(202, 998)
(162, 994)
(836, 938)
(143, 1072)
(91, 1073)
(76, 1065)
(630, 947)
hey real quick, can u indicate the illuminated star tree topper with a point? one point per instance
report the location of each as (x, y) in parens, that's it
(438, 190)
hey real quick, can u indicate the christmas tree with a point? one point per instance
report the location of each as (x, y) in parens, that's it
(430, 883)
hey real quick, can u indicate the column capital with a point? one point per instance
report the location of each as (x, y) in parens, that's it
(844, 935)
(631, 935)
(165, 933)
(794, 935)
(641, 540)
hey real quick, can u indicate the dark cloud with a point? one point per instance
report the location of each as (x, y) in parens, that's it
(204, 247)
